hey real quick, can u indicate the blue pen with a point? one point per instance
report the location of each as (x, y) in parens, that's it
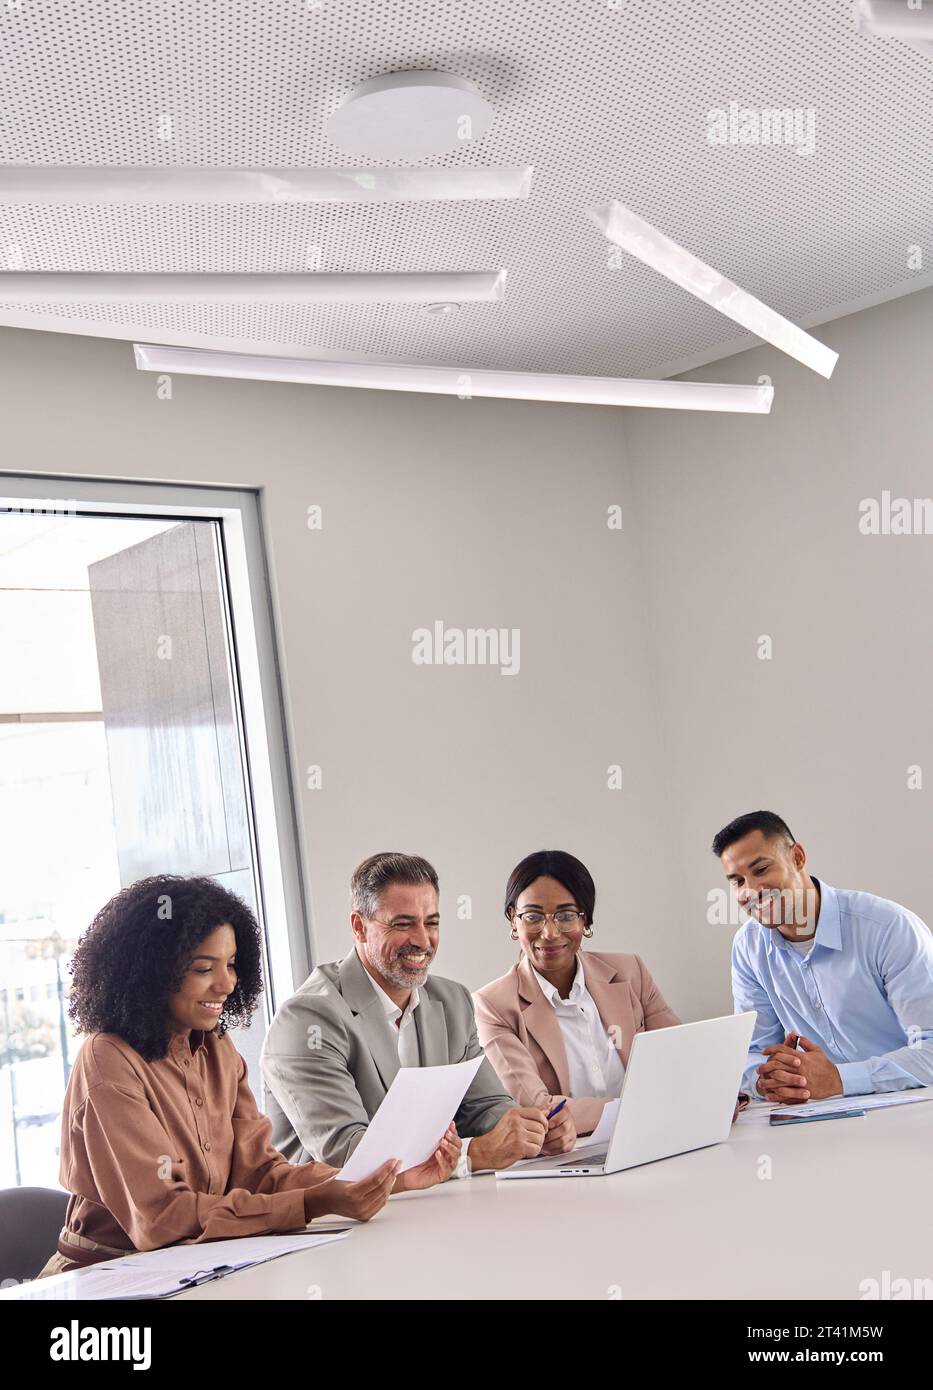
(557, 1109)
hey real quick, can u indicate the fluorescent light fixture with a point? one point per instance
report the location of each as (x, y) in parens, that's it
(893, 19)
(313, 288)
(648, 244)
(459, 381)
(94, 185)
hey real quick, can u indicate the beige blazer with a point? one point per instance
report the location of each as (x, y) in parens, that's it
(520, 1034)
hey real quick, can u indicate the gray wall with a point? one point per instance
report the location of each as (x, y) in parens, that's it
(483, 514)
(638, 647)
(750, 526)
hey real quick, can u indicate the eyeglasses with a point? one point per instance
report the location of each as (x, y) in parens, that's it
(563, 917)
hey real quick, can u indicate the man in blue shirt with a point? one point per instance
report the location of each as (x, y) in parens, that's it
(846, 975)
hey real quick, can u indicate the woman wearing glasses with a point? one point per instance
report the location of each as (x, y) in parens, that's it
(559, 1025)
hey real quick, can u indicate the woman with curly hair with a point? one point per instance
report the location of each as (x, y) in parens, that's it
(162, 1142)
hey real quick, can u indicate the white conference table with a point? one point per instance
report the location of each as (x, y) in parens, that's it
(846, 1200)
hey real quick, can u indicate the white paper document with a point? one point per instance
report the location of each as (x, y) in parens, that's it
(872, 1102)
(603, 1131)
(158, 1273)
(186, 1260)
(95, 1283)
(412, 1119)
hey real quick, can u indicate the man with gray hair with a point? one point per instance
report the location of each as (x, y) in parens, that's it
(333, 1049)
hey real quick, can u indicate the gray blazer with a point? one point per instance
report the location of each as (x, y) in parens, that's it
(329, 1057)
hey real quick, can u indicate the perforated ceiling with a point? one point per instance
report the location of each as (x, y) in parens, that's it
(606, 98)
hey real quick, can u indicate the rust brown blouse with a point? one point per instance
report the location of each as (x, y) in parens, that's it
(173, 1151)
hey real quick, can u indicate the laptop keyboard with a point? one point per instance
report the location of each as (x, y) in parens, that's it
(592, 1160)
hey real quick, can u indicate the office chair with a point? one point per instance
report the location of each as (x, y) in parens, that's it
(30, 1220)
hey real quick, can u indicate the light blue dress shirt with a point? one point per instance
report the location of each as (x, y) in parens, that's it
(864, 993)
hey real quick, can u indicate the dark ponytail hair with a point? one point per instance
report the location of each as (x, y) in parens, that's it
(553, 863)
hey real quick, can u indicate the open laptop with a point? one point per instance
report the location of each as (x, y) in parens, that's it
(679, 1093)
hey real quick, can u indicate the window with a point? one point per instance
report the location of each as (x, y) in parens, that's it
(136, 686)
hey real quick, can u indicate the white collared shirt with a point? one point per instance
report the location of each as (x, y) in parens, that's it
(402, 1023)
(595, 1067)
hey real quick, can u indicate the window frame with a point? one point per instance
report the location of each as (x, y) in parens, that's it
(256, 662)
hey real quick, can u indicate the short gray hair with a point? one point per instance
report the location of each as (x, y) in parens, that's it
(380, 871)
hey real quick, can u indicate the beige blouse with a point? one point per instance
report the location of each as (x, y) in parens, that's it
(173, 1151)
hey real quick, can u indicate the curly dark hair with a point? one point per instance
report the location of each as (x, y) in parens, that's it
(137, 949)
